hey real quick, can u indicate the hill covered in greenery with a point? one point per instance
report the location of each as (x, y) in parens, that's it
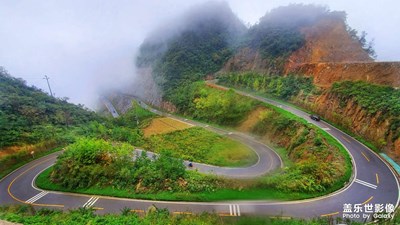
(190, 50)
(28, 115)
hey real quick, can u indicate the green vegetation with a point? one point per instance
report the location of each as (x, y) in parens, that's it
(28, 215)
(199, 145)
(374, 99)
(135, 117)
(283, 87)
(100, 164)
(212, 105)
(30, 116)
(126, 128)
(317, 158)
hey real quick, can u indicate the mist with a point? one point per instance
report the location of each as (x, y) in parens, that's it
(88, 47)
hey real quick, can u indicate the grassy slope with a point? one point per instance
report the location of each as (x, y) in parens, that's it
(164, 125)
(199, 145)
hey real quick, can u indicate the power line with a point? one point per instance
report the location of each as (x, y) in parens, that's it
(48, 84)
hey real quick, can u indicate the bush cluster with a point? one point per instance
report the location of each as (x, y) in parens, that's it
(95, 162)
(283, 87)
(212, 105)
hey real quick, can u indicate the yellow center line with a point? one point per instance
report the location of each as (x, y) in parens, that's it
(365, 156)
(368, 200)
(330, 214)
(98, 208)
(346, 139)
(185, 213)
(377, 178)
(224, 214)
(281, 217)
(137, 210)
(22, 201)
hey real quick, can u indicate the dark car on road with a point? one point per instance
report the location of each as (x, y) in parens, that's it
(315, 117)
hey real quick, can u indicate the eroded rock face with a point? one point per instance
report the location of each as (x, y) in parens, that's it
(325, 74)
(357, 120)
(328, 41)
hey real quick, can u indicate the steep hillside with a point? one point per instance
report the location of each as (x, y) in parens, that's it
(370, 111)
(29, 116)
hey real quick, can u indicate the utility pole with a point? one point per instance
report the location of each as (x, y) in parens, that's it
(48, 84)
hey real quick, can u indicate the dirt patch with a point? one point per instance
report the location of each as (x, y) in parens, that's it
(164, 125)
(251, 119)
(11, 150)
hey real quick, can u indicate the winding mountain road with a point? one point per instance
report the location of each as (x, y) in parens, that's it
(373, 184)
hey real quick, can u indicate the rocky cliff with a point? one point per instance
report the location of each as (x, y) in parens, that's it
(325, 74)
(328, 41)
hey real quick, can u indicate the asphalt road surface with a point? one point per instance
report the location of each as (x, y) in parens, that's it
(373, 184)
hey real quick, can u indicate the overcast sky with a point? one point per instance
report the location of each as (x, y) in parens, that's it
(85, 46)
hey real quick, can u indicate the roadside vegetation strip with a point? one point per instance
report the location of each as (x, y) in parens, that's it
(12, 162)
(29, 215)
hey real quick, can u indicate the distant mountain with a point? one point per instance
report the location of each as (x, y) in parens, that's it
(186, 50)
(28, 115)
